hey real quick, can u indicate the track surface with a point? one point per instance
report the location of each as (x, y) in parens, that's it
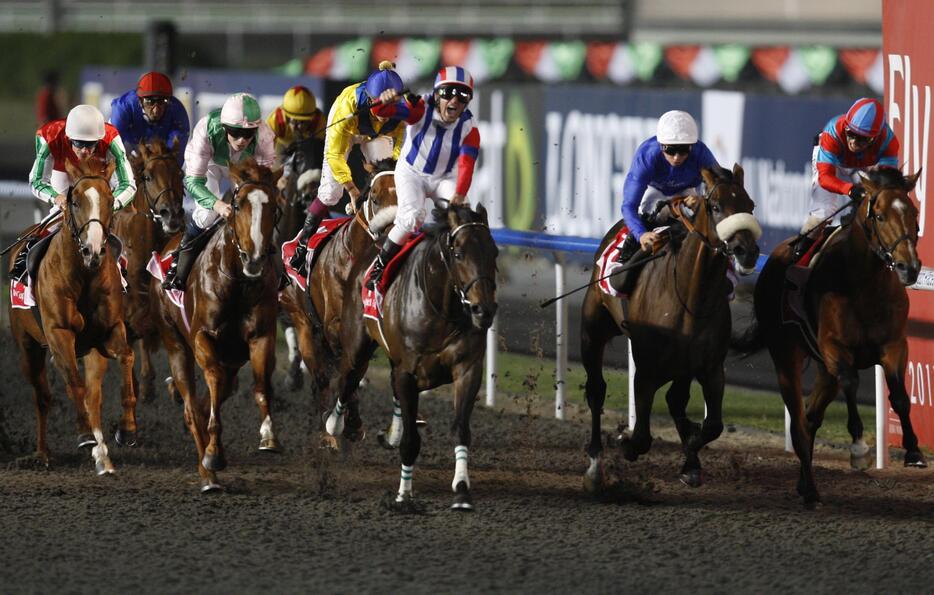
(312, 520)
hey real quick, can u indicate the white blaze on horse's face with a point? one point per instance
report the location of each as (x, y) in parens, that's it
(95, 230)
(257, 199)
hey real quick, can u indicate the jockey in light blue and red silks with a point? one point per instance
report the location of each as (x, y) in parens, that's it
(849, 144)
(441, 145)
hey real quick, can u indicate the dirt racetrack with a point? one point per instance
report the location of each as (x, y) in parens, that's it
(308, 520)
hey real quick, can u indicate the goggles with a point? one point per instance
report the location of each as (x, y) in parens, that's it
(83, 144)
(859, 138)
(240, 132)
(676, 149)
(451, 91)
(155, 100)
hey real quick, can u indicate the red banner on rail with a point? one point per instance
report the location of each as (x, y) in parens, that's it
(909, 75)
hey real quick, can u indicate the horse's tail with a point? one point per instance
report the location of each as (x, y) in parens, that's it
(748, 340)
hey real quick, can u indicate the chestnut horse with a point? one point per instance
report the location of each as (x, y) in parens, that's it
(678, 322)
(435, 317)
(79, 296)
(229, 318)
(857, 304)
(318, 315)
(155, 216)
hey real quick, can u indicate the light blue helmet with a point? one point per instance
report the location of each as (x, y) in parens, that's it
(383, 79)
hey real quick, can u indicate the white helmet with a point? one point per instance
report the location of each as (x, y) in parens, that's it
(241, 110)
(676, 128)
(85, 122)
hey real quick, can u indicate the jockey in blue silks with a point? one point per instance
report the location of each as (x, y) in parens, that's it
(151, 111)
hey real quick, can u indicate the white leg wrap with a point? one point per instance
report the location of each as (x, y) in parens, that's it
(291, 339)
(859, 448)
(99, 453)
(395, 428)
(594, 467)
(460, 467)
(405, 482)
(265, 430)
(335, 423)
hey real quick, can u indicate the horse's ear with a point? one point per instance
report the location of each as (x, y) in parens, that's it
(910, 181)
(143, 150)
(738, 173)
(74, 172)
(481, 210)
(869, 185)
(109, 168)
(276, 174)
(236, 173)
(710, 179)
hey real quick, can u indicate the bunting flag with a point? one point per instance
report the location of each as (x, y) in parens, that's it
(414, 58)
(793, 69)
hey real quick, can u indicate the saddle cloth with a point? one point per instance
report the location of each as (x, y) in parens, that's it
(158, 266)
(327, 228)
(373, 299)
(608, 262)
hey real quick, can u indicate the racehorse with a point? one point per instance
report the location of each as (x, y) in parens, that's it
(79, 297)
(155, 216)
(305, 158)
(857, 304)
(318, 315)
(433, 328)
(229, 316)
(678, 323)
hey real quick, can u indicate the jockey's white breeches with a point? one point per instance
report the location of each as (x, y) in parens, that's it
(416, 193)
(824, 202)
(330, 190)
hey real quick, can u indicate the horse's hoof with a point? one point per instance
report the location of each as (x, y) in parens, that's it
(104, 467)
(270, 445)
(860, 463)
(209, 486)
(593, 485)
(86, 441)
(330, 443)
(214, 462)
(692, 478)
(813, 504)
(173, 390)
(419, 422)
(915, 459)
(294, 380)
(629, 451)
(125, 438)
(382, 438)
(462, 500)
(354, 435)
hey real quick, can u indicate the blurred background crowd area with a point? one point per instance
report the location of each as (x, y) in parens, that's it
(763, 46)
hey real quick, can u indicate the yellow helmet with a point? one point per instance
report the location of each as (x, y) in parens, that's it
(299, 103)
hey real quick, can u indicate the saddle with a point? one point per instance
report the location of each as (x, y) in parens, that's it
(325, 232)
(373, 300)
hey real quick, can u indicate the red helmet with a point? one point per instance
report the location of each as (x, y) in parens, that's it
(154, 83)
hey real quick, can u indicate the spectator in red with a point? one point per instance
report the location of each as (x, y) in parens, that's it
(46, 100)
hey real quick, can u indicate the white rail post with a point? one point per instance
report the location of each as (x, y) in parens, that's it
(491, 340)
(561, 330)
(882, 410)
(789, 447)
(631, 374)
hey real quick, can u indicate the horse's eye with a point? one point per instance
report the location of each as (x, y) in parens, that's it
(880, 218)
(459, 255)
(715, 208)
(147, 178)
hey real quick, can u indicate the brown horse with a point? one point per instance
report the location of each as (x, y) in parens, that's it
(318, 315)
(856, 302)
(435, 316)
(678, 321)
(79, 296)
(155, 216)
(231, 305)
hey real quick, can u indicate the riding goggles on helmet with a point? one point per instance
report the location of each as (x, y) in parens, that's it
(155, 100)
(83, 144)
(451, 91)
(677, 149)
(240, 132)
(858, 138)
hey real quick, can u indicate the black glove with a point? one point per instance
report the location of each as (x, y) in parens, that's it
(857, 192)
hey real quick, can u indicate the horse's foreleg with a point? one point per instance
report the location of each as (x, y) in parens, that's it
(466, 384)
(894, 360)
(33, 365)
(294, 378)
(712, 384)
(859, 450)
(62, 347)
(640, 440)
(147, 373)
(95, 366)
(596, 327)
(787, 359)
(263, 361)
(405, 389)
(344, 419)
(216, 378)
(825, 389)
(117, 347)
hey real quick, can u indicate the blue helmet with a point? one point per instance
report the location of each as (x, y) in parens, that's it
(382, 79)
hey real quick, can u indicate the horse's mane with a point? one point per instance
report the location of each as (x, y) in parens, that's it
(384, 165)
(722, 174)
(249, 169)
(441, 224)
(888, 177)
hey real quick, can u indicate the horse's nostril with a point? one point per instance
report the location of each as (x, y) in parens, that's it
(739, 251)
(901, 266)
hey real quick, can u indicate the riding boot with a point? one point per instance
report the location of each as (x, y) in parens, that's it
(802, 246)
(317, 211)
(279, 268)
(177, 275)
(390, 249)
(627, 252)
(19, 265)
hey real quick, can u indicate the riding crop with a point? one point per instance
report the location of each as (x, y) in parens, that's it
(625, 268)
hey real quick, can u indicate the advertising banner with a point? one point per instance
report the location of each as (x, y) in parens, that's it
(908, 54)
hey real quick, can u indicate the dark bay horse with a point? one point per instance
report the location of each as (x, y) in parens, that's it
(305, 159)
(679, 323)
(80, 298)
(155, 216)
(319, 315)
(435, 317)
(857, 304)
(231, 305)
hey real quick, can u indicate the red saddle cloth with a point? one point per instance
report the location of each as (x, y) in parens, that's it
(373, 299)
(158, 267)
(327, 228)
(607, 262)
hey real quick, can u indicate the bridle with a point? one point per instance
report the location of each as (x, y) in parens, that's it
(445, 247)
(871, 226)
(151, 201)
(73, 226)
(235, 205)
(365, 214)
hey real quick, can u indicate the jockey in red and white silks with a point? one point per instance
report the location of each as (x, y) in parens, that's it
(441, 145)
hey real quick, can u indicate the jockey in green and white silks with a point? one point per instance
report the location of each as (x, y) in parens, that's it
(227, 135)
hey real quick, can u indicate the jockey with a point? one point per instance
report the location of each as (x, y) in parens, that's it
(352, 120)
(76, 138)
(849, 144)
(440, 150)
(224, 136)
(150, 111)
(297, 119)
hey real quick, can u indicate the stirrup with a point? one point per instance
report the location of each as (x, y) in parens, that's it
(375, 275)
(297, 261)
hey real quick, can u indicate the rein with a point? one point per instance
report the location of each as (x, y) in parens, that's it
(236, 209)
(445, 249)
(885, 253)
(150, 201)
(72, 226)
(365, 215)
